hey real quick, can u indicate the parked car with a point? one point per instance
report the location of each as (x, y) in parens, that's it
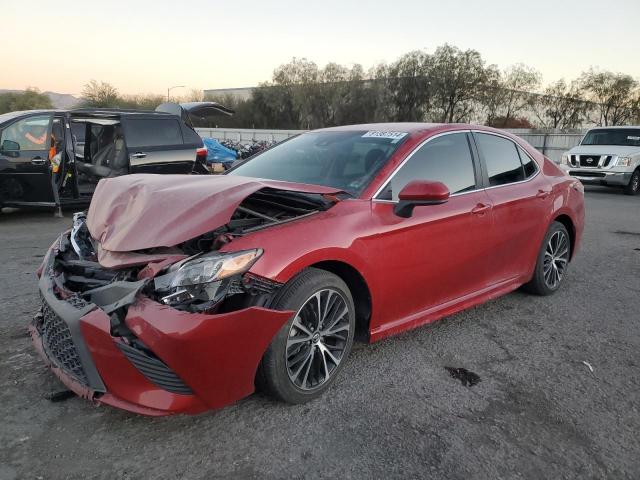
(607, 156)
(181, 293)
(53, 158)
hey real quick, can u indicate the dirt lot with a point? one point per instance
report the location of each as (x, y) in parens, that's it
(538, 412)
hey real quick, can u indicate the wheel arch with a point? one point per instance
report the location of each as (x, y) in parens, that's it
(359, 291)
(566, 220)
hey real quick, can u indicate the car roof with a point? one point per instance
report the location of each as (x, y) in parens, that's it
(411, 128)
(85, 112)
(616, 127)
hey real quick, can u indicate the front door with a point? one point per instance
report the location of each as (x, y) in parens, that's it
(439, 254)
(25, 172)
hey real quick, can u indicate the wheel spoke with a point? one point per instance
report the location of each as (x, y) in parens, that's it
(317, 339)
(298, 324)
(345, 311)
(308, 369)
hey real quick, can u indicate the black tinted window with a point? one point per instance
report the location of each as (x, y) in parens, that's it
(502, 159)
(445, 159)
(347, 160)
(148, 132)
(628, 137)
(529, 165)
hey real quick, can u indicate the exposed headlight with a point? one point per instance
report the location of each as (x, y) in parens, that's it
(214, 267)
(565, 159)
(624, 161)
(205, 278)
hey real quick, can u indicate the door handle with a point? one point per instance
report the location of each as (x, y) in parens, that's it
(38, 161)
(138, 155)
(543, 194)
(480, 208)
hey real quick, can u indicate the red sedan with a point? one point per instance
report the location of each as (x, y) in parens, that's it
(182, 293)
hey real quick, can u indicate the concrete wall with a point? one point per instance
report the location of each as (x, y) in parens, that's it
(550, 144)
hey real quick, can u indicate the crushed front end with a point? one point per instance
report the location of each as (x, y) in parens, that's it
(147, 337)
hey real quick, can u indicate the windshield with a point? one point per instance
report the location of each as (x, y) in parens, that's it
(338, 159)
(627, 137)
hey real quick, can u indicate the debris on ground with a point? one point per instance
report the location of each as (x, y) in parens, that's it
(588, 366)
(59, 396)
(468, 379)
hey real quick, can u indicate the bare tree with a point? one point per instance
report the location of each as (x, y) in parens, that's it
(615, 95)
(509, 93)
(100, 94)
(561, 105)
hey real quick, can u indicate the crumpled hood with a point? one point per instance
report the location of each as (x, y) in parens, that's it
(136, 212)
(605, 150)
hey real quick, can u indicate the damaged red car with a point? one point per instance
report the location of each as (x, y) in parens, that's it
(179, 294)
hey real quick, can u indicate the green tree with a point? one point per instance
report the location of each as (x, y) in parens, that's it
(30, 99)
(457, 80)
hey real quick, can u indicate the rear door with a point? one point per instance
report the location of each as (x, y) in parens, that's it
(24, 160)
(155, 144)
(521, 199)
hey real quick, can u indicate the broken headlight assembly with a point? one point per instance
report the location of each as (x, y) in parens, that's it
(203, 280)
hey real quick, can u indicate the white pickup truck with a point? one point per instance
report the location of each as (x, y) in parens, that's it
(607, 156)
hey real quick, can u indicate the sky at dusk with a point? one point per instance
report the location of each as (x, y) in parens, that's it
(147, 46)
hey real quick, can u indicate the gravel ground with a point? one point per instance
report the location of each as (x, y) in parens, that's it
(538, 411)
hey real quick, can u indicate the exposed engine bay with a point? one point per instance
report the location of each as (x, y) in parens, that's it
(195, 277)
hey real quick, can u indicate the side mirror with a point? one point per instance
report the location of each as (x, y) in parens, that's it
(10, 146)
(420, 192)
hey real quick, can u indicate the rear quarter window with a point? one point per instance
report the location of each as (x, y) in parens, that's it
(151, 132)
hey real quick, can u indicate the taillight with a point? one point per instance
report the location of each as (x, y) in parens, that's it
(201, 153)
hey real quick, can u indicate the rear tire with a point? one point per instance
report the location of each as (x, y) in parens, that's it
(309, 351)
(633, 188)
(552, 262)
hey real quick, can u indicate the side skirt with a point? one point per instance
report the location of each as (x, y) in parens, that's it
(432, 314)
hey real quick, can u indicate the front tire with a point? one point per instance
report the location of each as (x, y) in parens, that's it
(552, 262)
(309, 351)
(633, 188)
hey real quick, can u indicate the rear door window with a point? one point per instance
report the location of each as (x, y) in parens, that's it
(501, 158)
(530, 166)
(152, 132)
(445, 159)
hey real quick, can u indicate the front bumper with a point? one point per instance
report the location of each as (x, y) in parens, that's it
(601, 177)
(200, 362)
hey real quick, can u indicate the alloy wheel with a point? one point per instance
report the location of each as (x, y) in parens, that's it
(317, 339)
(556, 258)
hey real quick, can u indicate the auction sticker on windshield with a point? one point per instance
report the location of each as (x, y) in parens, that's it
(395, 136)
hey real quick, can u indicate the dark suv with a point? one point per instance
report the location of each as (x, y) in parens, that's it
(53, 158)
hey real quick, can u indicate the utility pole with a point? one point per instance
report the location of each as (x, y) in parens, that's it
(169, 91)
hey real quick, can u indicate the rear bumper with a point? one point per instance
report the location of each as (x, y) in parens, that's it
(601, 177)
(214, 357)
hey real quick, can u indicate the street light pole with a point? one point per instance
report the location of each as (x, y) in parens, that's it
(171, 88)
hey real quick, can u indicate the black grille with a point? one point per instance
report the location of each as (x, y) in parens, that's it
(58, 344)
(155, 370)
(258, 285)
(589, 160)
